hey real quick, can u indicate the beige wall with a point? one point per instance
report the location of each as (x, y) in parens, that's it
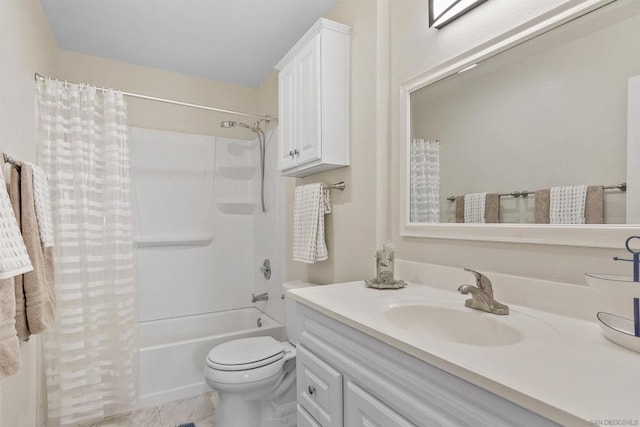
(26, 46)
(164, 84)
(268, 98)
(414, 49)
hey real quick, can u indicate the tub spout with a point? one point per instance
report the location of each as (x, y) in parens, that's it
(260, 297)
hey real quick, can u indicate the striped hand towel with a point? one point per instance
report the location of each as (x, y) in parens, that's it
(567, 204)
(311, 203)
(474, 208)
(14, 259)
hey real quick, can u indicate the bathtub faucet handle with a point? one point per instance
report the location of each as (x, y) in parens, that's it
(260, 297)
(266, 269)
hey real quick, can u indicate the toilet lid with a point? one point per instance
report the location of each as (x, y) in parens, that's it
(245, 353)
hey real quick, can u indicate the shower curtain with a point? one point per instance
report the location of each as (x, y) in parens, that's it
(90, 353)
(425, 181)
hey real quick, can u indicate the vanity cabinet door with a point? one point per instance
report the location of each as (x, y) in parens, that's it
(364, 410)
(287, 108)
(308, 144)
(319, 388)
(306, 420)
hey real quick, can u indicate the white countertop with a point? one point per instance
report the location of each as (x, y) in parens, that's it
(563, 368)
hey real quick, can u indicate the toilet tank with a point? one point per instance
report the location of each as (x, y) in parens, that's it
(290, 309)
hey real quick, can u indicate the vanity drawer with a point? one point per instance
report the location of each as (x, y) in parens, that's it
(306, 420)
(319, 389)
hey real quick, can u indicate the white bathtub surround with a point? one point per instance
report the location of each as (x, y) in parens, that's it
(173, 351)
(557, 366)
(179, 178)
(83, 149)
(198, 260)
(269, 233)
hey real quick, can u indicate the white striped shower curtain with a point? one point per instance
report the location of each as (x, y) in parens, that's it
(90, 353)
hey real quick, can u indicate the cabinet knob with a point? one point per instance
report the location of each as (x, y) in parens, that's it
(296, 152)
(290, 153)
(311, 390)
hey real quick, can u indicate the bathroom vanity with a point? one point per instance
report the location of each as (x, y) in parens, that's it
(418, 356)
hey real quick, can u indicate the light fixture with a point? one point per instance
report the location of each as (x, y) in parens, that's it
(442, 12)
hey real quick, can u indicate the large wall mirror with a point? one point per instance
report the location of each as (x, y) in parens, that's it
(513, 133)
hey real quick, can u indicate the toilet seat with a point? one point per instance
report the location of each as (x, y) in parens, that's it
(245, 353)
(246, 360)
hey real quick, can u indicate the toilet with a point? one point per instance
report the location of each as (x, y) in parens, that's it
(255, 377)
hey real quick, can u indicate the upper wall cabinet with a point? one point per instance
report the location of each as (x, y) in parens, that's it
(314, 101)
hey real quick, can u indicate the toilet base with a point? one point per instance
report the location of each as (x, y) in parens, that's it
(267, 403)
(234, 410)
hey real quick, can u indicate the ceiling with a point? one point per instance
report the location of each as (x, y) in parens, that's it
(234, 41)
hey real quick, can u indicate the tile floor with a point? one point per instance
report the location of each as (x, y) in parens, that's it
(198, 410)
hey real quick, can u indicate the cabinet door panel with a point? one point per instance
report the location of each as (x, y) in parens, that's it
(286, 112)
(319, 388)
(309, 112)
(306, 420)
(364, 410)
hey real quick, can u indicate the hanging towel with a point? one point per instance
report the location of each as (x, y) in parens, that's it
(492, 208)
(42, 203)
(35, 308)
(474, 207)
(594, 205)
(14, 259)
(20, 308)
(311, 203)
(593, 211)
(567, 204)
(459, 208)
(9, 344)
(542, 203)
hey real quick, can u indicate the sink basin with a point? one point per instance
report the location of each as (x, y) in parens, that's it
(461, 326)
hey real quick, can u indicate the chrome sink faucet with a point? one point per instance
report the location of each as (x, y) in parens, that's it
(482, 295)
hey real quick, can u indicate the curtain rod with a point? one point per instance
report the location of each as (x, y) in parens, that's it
(40, 77)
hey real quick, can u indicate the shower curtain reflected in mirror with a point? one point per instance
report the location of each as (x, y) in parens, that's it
(425, 181)
(90, 352)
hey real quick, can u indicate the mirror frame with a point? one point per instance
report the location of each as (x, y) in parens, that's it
(605, 235)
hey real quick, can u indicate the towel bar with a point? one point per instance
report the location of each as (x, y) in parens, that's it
(337, 186)
(8, 159)
(525, 193)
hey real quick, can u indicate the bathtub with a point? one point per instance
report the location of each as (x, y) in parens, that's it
(172, 352)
